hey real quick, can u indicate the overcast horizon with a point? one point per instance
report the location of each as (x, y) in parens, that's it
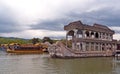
(40, 18)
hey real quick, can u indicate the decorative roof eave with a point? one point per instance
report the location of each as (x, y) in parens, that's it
(92, 28)
(71, 27)
(95, 27)
(74, 25)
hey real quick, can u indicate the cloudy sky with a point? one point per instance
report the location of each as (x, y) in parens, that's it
(39, 18)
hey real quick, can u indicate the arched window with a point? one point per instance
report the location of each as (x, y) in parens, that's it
(87, 33)
(92, 34)
(70, 33)
(96, 35)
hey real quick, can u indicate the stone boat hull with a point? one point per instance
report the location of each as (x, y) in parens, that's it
(59, 50)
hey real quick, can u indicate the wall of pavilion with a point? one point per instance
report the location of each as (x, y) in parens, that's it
(90, 38)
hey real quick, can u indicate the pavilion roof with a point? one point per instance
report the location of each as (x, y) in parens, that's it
(96, 27)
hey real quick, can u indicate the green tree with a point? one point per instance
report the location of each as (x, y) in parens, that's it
(15, 40)
(47, 39)
(35, 40)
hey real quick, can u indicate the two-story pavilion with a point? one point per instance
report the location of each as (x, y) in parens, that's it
(90, 38)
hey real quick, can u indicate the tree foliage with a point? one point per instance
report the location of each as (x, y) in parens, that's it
(15, 40)
(47, 39)
(35, 40)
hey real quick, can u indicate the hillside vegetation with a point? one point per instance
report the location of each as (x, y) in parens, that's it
(5, 40)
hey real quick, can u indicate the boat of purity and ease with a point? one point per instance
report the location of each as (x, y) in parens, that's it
(86, 41)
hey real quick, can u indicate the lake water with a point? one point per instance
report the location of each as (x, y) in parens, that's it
(43, 64)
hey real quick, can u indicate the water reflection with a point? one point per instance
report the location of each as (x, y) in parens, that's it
(43, 64)
(83, 66)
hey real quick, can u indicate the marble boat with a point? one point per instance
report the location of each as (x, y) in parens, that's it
(87, 41)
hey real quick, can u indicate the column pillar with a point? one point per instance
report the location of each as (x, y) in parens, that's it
(101, 36)
(94, 34)
(75, 33)
(109, 37)
(105, 47)
(89, 46)
(66, 39)
(75, 36)
(90, 34)
(84, 46)
(83, 34)
(105, 36)
(100, 46)
(94, 46)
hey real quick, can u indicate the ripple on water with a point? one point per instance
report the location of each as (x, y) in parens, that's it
(43, 64)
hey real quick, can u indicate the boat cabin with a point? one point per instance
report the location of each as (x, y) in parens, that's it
(90, 38)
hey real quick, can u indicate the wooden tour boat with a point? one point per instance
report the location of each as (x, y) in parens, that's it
(25, 49)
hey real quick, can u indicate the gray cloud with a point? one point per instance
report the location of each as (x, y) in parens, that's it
(107, 16)
(8, 22)
(54, 25)
(103, 12)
